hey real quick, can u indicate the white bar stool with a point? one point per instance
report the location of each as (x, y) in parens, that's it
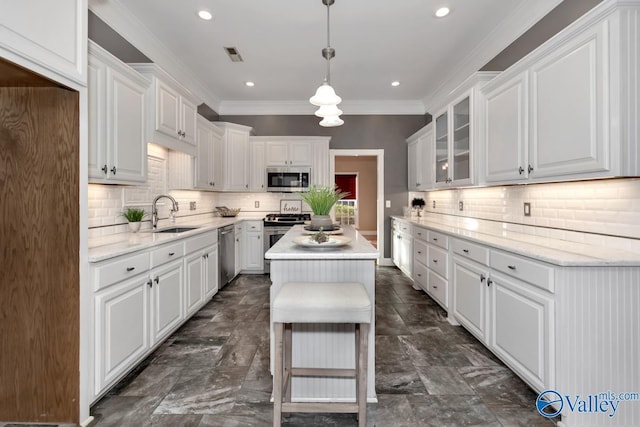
(306, 302)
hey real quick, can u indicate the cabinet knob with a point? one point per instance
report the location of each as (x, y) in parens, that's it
(530, 168)
(417, 184)
(482, 278)
(489, 282)
(246, 186)
(420, 252)
(130, 268)
(113, 170)
(157, 279)
(435, 287)
(511, 267)
(435, 261)
(520, 170)
(435, 239)
(258, 237)
(466, 251)
(105, 169)
(172, 253)
(150, 283)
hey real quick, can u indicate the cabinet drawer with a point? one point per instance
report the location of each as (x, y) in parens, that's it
(201, 241)
(477, 253)
(167, 253)
(404, 227)
(420, 233)
(438, 261)
(438, 288)
(421, 275)
(253, 225)
(420, 252)
(533, 272)
(120, 268)
(438, 239)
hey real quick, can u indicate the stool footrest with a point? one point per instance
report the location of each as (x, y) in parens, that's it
(323, 372)
(320, 407)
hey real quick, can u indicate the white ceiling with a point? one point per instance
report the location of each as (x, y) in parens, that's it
(280, 41)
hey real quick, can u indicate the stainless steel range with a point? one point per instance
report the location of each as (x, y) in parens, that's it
(275, 226)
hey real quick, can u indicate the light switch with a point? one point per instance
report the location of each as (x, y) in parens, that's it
(387, 204)
(257, 203)
(527, 209)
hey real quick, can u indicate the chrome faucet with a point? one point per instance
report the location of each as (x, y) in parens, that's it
(154, 209)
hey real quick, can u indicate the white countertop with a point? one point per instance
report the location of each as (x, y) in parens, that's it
(286, 249)
(554, 251)
(101, 248)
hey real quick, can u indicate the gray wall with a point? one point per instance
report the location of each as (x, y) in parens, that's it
(358, 132)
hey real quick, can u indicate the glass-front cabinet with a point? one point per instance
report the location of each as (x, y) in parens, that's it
(453, 147)
(456, 133)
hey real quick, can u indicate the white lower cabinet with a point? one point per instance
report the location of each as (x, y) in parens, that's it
(122, 329)
(470, 296)
(194, 266)
(402, 246)
(253, 247)
(431, 264)
(521, 320)
(142, 297)
(167, 293)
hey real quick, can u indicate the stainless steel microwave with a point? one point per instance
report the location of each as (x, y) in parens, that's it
(286, 180)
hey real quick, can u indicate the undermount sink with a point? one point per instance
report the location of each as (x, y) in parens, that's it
(176, 230)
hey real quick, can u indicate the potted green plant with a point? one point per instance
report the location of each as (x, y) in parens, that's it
(134, 216)
(418, 204)
(321, 199)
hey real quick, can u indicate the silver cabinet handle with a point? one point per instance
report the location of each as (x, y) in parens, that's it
(435, 239)
(435, 287)
(113, 170)
(130, 268)
(466, 251)
(172, 253)
(520, 170)
(489, 282)
(150, 283)
(482, 278)
(105, 169)
(157, 279)
(530, 168)
(226, 232)
(435, 261)
(511, 267)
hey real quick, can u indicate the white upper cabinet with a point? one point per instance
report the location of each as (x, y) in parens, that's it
(420, 159)
(569, 109)
(172, 111)
(117, 143)
(208, 136)
(506, 151)
(235, 142)
(286, 152)
(49, 37)
(457, 132)
(257, 172)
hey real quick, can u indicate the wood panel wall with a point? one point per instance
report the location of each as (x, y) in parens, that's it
(39, 260)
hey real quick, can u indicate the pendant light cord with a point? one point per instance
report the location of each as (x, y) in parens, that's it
(328, 79)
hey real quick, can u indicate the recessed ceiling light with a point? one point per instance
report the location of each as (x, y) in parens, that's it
(205, 14)
(395, 83)
(250, 84)
(442, 12)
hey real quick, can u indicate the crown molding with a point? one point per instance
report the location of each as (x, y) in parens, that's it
(512, 27)
(114, 14)
(257, 108)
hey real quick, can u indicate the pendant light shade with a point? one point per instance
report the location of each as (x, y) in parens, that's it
(325, 95)
(331, 121)
(328, 110)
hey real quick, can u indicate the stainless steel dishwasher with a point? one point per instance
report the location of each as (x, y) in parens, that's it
(226, 255)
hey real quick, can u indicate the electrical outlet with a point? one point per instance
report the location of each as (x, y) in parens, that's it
(460, 205)
(434, 204)
(527, 209)
(192, 206)
(256, 203)
(387, 204)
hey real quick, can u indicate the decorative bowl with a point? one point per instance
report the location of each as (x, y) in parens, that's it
(226, 212)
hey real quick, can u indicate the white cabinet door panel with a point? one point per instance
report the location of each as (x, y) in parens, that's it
(277, 153)
(167, 110)
(96, 94)
(167, 295)
(568, 109)
(195, 282)
(506, 132)
(211, 276)
(125, 130)
(300, 154)
(122, 330)
(189, 113)
(521, 324)
(469, 294)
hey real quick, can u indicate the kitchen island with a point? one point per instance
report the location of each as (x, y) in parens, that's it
(325, 345)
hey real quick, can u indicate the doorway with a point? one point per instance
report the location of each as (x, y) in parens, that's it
(367, 204)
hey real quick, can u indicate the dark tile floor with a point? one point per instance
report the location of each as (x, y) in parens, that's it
(214, 370)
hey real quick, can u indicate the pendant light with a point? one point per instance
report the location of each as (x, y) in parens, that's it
(325, 97)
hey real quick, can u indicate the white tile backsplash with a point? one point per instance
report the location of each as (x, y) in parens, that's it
(106, 202)
(567, 210)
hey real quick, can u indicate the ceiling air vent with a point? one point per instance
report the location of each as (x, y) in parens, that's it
(233, 54)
